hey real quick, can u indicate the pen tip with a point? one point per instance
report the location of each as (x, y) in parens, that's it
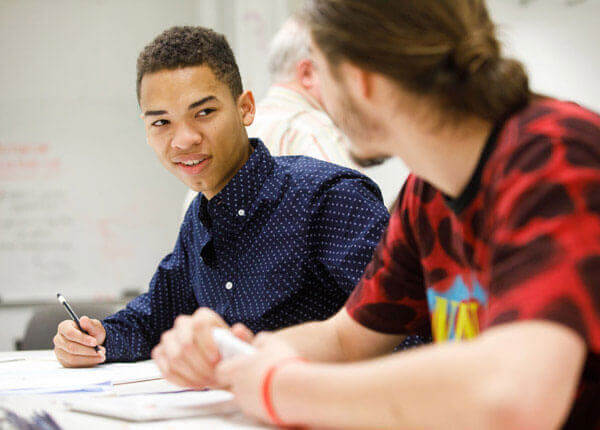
(57, 295)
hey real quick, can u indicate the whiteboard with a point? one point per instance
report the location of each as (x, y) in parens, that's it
(85, 206)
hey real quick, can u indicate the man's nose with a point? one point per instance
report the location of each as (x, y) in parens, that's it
(185, 137)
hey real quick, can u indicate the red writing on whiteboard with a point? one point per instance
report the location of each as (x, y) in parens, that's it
(27, 161)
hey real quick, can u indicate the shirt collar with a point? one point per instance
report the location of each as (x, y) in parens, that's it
(469, 192)
(238, 200)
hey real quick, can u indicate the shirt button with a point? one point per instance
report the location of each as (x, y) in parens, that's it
(229, 285)
(241, 212)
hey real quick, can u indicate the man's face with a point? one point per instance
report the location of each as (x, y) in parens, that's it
(339, 101)
(195, 126)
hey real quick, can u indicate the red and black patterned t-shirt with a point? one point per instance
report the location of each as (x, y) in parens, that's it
(521, 242)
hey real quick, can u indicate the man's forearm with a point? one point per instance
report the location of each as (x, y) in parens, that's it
(469, 385)
(131, 333)
(338, 339)
(390, 393)
(126, 339)
(316, 341)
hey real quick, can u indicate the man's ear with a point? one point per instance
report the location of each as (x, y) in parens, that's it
(246, 107)
(360, 81)
(305, 74)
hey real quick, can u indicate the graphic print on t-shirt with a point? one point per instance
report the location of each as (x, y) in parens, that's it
(455, 312)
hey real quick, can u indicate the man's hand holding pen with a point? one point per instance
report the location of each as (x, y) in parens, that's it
(76, 349)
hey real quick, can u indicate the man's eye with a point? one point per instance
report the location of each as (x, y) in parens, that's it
(205, 112)
(160, 122)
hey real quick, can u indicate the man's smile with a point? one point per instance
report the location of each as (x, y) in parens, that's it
(191, 164)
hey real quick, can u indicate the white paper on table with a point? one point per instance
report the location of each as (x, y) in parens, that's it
(124, 373)
(159, 406)
(30, 374)
(50, 374)
(103, 388)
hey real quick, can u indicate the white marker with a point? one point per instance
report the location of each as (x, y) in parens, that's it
(229, 345)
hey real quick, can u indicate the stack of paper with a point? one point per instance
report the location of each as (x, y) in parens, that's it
(48, 376)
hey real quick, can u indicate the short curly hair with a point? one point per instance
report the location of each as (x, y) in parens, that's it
(189, 46)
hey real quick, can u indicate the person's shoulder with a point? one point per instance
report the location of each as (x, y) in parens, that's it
(548, 133)
(555, 119)
(312, 175)
(548, 154)
(552, 116)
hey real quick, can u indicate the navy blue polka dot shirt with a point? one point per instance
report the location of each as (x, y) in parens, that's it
(284, 242)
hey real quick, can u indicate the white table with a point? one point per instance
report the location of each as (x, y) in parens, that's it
(73, 420)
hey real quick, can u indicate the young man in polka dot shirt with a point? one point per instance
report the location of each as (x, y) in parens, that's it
(269, 242)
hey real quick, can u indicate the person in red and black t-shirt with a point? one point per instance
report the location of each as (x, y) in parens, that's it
(493, 247)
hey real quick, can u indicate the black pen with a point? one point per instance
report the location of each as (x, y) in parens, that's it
(73, 315)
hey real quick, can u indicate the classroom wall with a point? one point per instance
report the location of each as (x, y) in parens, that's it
(85, 207)
(557, 40)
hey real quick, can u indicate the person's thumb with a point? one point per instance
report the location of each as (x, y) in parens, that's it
(94, 328)
(242, 332)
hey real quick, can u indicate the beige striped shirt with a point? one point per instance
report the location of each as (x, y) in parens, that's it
(291, 123)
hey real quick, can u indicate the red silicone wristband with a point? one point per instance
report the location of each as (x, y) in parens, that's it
(266, 389)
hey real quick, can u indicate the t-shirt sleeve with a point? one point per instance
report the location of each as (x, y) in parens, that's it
(390, 297)
(545, 241)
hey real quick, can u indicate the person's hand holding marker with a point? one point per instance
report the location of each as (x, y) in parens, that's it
(188, 353)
